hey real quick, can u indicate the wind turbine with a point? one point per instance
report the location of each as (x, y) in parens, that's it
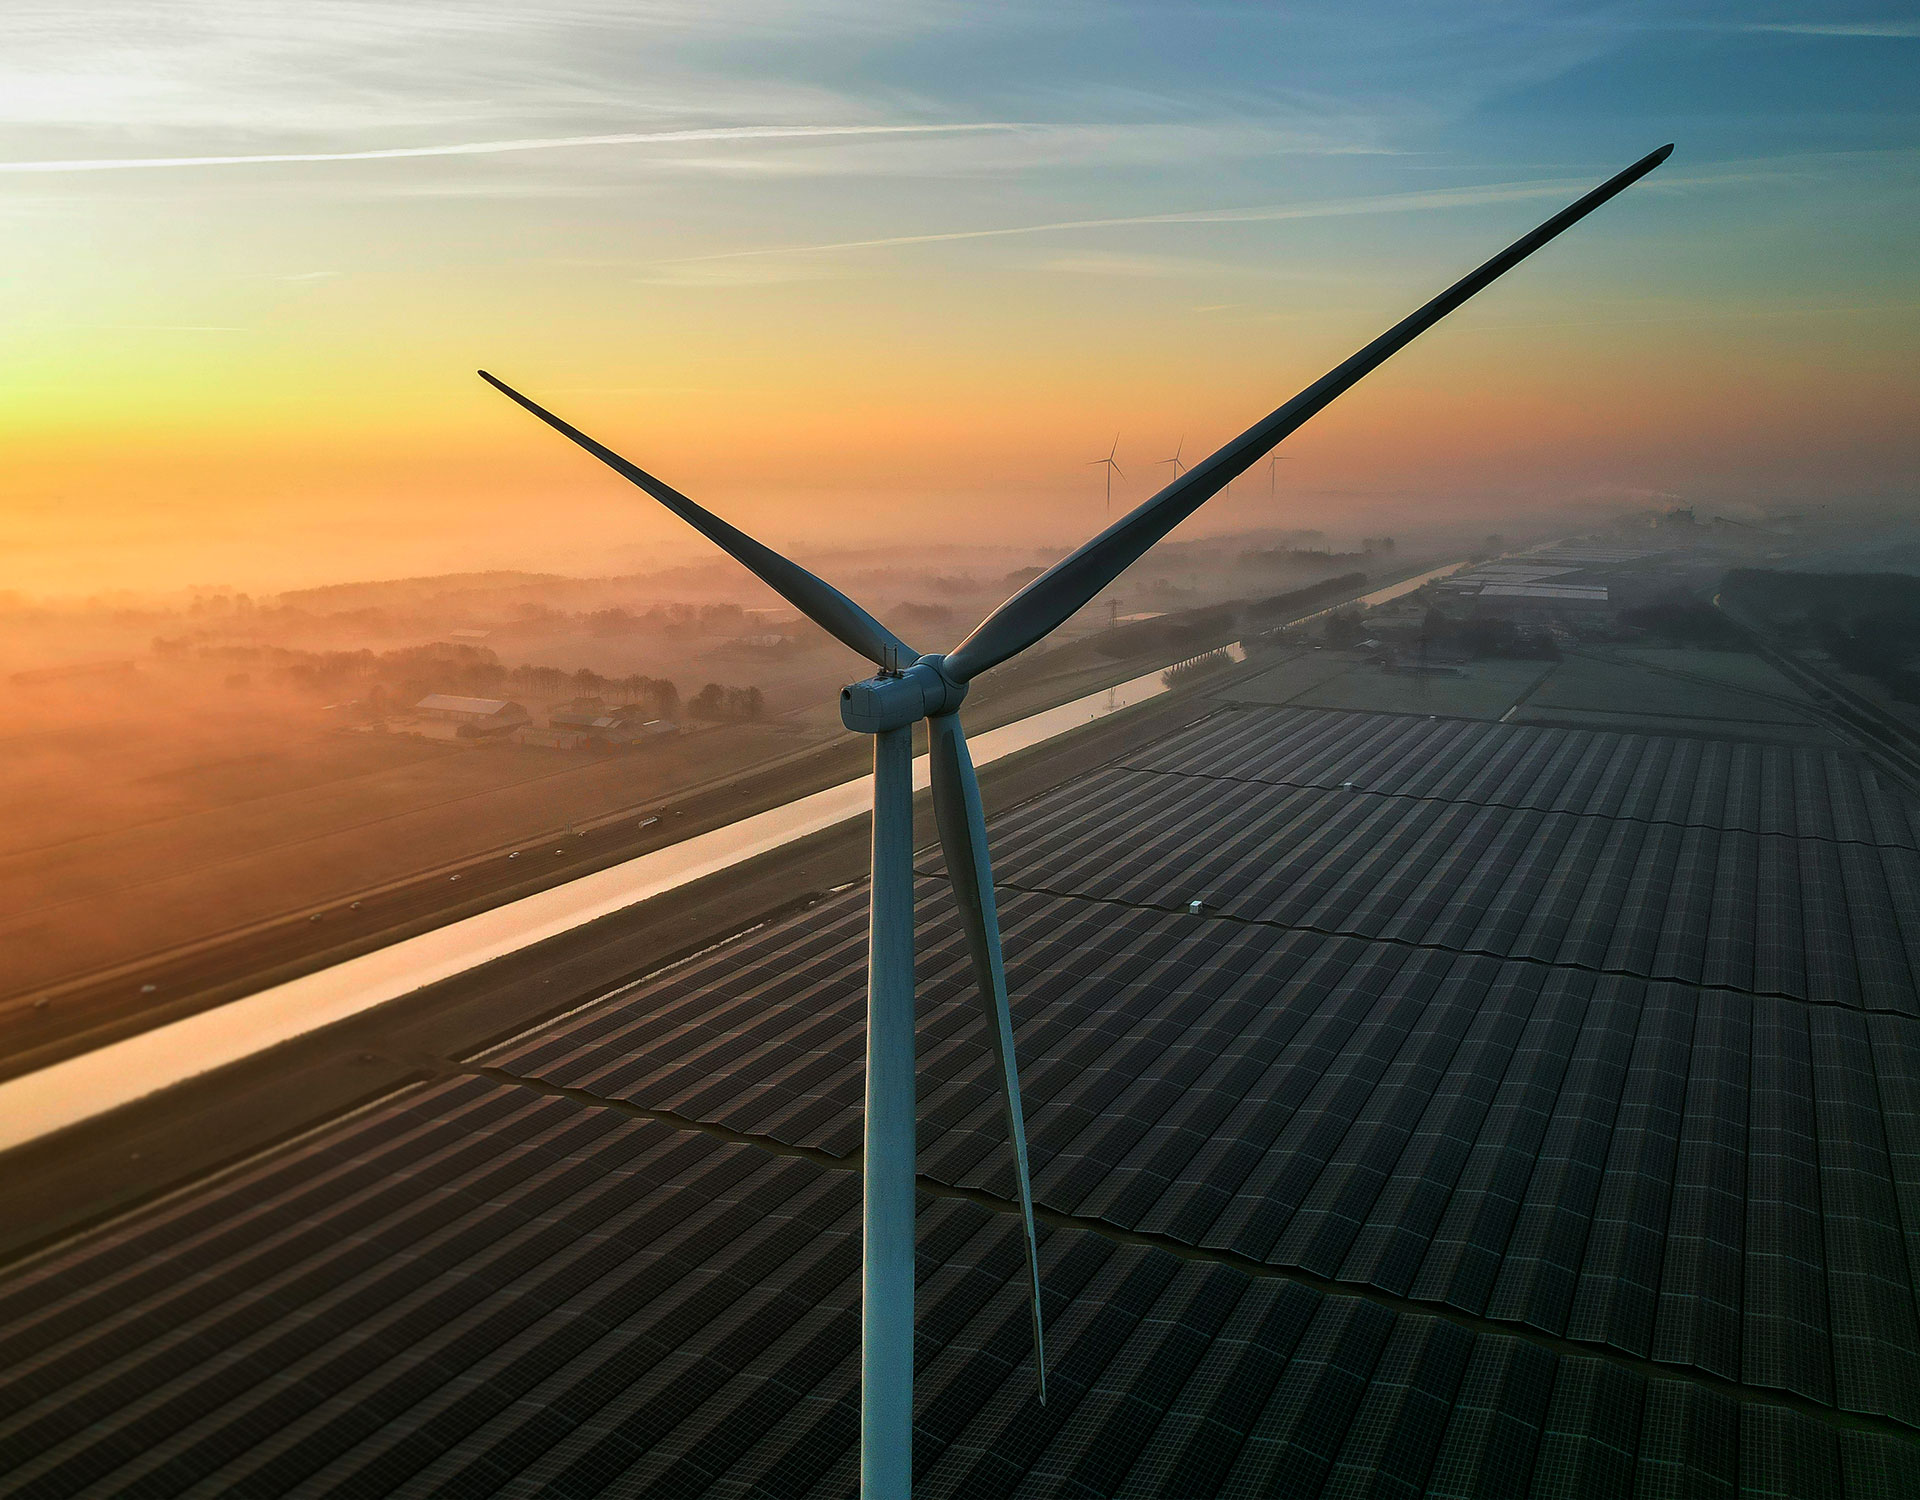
(1273, 471)
(1112, 469)
(1179, 468)
(909, 687)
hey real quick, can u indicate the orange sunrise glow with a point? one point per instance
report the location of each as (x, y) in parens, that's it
(258, 371)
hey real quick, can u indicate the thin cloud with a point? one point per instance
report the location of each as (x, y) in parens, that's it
(1880, 29)
(1714, 315)
(1384, 203)
(494, 148)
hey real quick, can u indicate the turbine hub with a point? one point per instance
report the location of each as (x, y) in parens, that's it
(884, 701)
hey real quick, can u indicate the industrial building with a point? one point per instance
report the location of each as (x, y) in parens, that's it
(1417, 1106)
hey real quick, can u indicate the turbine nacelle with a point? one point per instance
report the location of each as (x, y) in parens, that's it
(893, 700)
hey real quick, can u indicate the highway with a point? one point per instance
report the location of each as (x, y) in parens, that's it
(52, 1098)
(100, 1165)
(102, 1162)
(39, 1029)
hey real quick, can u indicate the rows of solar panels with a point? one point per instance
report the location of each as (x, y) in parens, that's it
(479, 1290)
(1702, 1178)
(1750, 788)
(1494, 852)
(1376, 1208)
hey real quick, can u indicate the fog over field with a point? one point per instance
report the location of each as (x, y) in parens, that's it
(181, 765)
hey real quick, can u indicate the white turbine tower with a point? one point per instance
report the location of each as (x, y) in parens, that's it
(1112, 469)
(910, 687)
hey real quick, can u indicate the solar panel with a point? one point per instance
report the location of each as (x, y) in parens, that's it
(1529, 1036)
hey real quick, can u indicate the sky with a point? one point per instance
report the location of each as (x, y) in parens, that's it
(858, 273)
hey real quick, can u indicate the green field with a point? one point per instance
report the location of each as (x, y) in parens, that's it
(1725, 693)
(1334, 679)
(1737, 669)
(1683, 685)
(1286, 680)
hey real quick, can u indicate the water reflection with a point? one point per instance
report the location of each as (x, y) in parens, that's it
(81, 1087)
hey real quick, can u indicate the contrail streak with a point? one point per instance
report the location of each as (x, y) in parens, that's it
(1385, 203)
(494, 148)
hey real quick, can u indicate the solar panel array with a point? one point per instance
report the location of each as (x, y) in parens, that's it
(1752, 788)
(478, 1290)
(1707, 1179)
(1809, 918)
(1420, 1198)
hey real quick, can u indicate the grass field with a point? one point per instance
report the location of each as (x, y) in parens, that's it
(1679, 691)
(1336, 679)
(1483, 690)
(144, 832)
(1724, 693)
(1737, 669)
(319, 819)
(1589, 685)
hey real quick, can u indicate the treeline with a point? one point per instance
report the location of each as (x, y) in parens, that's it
(219, 617)
(1297, 602)
(721, 703)
(391, 680)
(1200, 666)
(1682, 620)
(1182, 633)
(1488, 635)
(675, 621)
(1188, 631)
(1867, 622)
(1316, 557)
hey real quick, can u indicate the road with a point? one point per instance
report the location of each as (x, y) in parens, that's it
(37, 1030)
(53, 1185)
(43, 1028)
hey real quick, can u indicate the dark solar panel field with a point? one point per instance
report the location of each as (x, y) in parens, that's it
(1539, 1115)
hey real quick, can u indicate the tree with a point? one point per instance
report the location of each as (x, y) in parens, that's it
(719, 702)
(1342, 627)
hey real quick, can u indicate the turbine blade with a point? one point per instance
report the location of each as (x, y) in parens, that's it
(1043, 604)
(963, 840)
(818, 600)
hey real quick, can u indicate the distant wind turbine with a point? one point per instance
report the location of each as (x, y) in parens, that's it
(1112, 469)
(1179, 468)
(910, 687)
(1273, 465)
